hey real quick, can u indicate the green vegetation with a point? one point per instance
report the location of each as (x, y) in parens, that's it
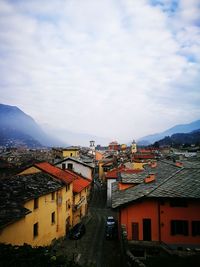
(26, 256)
(173, 261)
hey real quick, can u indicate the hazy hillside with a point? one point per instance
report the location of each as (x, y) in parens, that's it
(181, 128)
(181, 139)
(19, 128)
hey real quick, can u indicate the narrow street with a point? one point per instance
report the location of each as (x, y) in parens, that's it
(93, 249)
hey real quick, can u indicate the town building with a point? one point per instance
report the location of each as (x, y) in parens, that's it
(164, 207)
(59, 175)
(61, 153)
(78, 166)
(81, 194)
(114, 146)
(115, 175)
(32, 209)
(78, 189)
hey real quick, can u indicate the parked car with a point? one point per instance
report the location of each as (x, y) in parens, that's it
(111, 232)
(77, 231)
(110, 221)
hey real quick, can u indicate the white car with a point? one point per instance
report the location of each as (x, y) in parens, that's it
(110, 221)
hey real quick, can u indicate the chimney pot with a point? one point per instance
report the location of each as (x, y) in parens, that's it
(150, 178)
(179, 164)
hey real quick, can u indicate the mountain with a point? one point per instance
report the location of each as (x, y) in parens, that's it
(181, 139)
(181, 128)
(18, 128)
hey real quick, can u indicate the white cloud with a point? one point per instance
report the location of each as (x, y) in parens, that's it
(119, 69)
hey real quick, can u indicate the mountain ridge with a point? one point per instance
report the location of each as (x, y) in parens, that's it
(22, 128)
(192, 138)
(179, 128)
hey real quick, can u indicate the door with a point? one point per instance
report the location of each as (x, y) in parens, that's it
(135, 231)
(147, 229)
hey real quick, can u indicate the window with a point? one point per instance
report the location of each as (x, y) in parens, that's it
(35, 230)
(179, 227)
(70, 166)
(178, 203)
(195, 228)
(53, 196)
(35, 203)
(68, 205)
(53, 217)
(63, 166)
(67, 187)
(71, 154)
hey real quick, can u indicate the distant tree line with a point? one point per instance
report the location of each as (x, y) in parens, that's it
(180, 139)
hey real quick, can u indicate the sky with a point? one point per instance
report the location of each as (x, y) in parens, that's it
(119, 69)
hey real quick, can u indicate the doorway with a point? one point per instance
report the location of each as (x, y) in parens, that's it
(147, 229)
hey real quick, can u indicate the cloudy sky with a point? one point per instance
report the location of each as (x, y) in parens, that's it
(114, 68)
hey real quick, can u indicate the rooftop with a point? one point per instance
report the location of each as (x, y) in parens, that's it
(133, 178)
(79, 183)
(17, 190)
(55, 171)
(164, 172)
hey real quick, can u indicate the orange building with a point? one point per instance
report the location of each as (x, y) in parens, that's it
(164, 208)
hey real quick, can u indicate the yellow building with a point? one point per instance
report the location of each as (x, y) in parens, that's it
(123, 147)
(61, 153)
(72, 151)
(104, 166)
(59, 175)
(36, 210)
(138, 165)
(78, 189)
(80, 200)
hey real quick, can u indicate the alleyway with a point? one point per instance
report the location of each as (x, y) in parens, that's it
(93, 249)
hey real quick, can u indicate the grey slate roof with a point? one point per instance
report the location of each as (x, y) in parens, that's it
(133, 178)
(163, 171)
(17, 190)
(185, 184)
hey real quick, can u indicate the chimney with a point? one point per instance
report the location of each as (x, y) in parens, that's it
(179, 164)
(150, 178)
(154, 164)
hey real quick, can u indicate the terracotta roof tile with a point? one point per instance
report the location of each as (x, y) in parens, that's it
(54, 171)
(80, 184)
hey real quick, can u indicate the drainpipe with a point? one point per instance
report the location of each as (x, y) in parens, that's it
(159, 224)
(57, 203)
